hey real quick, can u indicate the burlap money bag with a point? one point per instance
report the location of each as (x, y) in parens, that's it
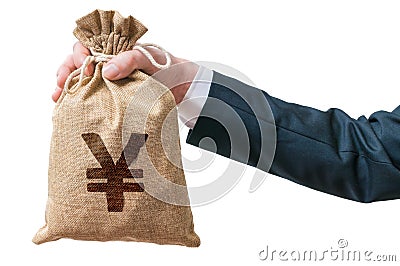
(95, 175)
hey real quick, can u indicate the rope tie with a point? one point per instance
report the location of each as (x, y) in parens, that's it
(100, 57)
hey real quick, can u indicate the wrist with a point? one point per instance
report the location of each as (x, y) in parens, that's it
(188, 71)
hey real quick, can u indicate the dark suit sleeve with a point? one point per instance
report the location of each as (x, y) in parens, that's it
(357, 159)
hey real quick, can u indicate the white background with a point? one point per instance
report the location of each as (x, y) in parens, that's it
(323, 54)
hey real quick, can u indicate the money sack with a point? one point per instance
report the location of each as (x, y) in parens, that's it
(99, 165)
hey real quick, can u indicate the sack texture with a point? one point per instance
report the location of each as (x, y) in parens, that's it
(95, 176)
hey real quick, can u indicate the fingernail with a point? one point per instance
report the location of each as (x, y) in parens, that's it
(58, 89)
(56, 94)
(88, 70)
(110, 71)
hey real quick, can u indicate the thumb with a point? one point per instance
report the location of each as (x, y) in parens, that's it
(122, 65)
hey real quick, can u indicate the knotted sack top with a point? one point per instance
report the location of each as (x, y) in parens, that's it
(108, 32)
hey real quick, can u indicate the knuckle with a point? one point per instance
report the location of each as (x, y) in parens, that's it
(129, 60)
(76, 46)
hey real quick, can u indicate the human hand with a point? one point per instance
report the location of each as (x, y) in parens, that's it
(125, 63)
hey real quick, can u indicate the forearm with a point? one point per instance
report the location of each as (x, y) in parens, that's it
(327, 151)
(333, 153)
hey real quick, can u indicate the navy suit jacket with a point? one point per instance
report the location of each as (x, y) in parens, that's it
(357, 159)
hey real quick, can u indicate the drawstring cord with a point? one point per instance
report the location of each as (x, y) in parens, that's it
(100, 57)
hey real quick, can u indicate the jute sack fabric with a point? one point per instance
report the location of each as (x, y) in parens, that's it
(94, 177)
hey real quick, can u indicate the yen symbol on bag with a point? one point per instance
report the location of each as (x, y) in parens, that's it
(114, 172)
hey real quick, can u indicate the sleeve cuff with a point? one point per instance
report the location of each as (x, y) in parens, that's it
(192, 104)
